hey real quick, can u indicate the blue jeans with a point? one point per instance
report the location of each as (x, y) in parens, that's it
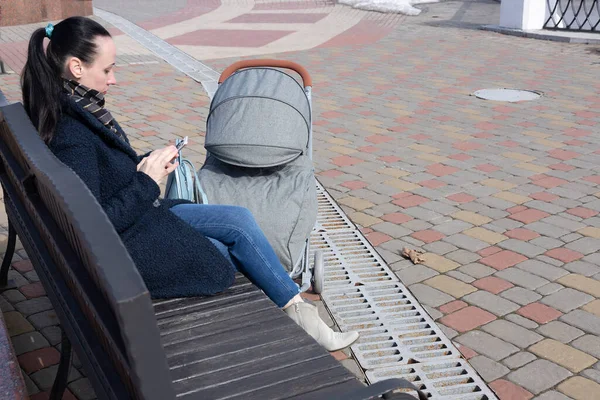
(235, 233)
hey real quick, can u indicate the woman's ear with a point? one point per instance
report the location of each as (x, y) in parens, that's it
(75, 67)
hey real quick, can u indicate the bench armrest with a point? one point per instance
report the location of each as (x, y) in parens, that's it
(381, 388)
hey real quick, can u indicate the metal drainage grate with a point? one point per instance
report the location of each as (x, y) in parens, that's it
(451, 379)
(398, 338)
(330, 216)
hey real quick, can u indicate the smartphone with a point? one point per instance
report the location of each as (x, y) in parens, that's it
(181, 143)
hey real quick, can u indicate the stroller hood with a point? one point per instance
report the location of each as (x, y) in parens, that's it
(259, 117)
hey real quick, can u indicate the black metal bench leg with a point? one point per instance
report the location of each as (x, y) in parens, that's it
(10, 251)
(62, 376)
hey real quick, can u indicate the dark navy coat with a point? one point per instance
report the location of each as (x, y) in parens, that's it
(174, 259)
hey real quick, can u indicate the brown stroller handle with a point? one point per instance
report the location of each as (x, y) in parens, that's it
(303, 72)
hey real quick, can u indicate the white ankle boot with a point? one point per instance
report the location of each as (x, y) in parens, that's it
(307, 316)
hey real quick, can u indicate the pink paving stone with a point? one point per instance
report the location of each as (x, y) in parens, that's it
(539, 313)
(332, 173)
(488, 251)
(397, 218)
(444, 118)
(22, 266)
(509, 143)
(529, 216)
(538, 177)
(467, 352)
(550, 182)
(441, 169)
(368, 113)
(526, 124)
(337, 130)
(460, 157)
(563, 154)
(483, 135)
(487, 168)
(339, 355)
(355, 184)
(369, 149)
(377, 238)
(575, 132)
(467, 146)
(331, 114)
(365, 231)
(576, 142)
(503, 259)
(467, 319)
(587, 114)
(289, 5)
(428, 236)
(504, 109)
(432, 184)
(461, 198)
(594, 179)
(277, 18)
(365, 32)
(402, 195)
(487, 126)
(506, 390)
(582, 212)
(397, 129)
(344, 161)
(492, 284)
(516, 209)
(32, 290)
(562, 167)
(379, 139)
(452, 306)
(522, 234)
(420, 136)
(411, 201)
(563, 254)
(543, 196)
(228, 38)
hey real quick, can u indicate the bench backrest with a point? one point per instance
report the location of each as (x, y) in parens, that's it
(99, 295)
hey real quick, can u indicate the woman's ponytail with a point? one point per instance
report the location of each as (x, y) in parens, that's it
(41, 85)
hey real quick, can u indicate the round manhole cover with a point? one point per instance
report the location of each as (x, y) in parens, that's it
(511, 95)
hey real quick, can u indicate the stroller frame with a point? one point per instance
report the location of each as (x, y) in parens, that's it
(302, 268)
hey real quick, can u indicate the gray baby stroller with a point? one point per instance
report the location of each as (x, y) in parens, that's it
(259, 156)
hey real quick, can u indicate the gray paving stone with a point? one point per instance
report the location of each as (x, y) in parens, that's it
(583, 320)
(521, 278)
(589, 344)
(585, 245)
(13, 296)
(494, 213)
(466, 242)
(415, 274)
(547, 243)
(460, 276)
(82, 388)
(429, 296)
(520, 295)
(440, 208)
(439, 247)
(491, 302)
(5, 306)
(592, 259)
(417, 225)
(507, 223)
(519, 246)
(582, 268)
(518, 360)
(44, 378)
(512, 333)
(477, 270)
(546, 229)
(433, 313)
(495, 202)
(552, 395)
(394, 230)
(486, 344)
(567, 299)
(29, 384)
(463, 257)
(560, 331)
(564, 223)
(28, 342)
(52, 334)
(400, 265)
(422, 213)
(488, 369)
(542, 269)
(571, 237)
(592, 374)
(17, 278)
(413, 242)
(33, 306)
(549, 288)
(519, 320)
(551, 261)
(452, 227)
(546, 207)
(43, 319)
(449, 332)
(351, 365)
(539, 375)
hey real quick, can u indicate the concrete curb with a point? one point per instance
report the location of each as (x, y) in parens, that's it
(556, 36)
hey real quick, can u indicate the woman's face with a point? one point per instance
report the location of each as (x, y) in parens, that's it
(99, 74)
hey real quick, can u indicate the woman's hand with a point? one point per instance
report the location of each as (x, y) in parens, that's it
(158, 164)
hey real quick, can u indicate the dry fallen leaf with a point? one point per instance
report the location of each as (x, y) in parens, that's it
(414, 255)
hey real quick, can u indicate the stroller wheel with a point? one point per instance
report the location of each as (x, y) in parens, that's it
(318, 273)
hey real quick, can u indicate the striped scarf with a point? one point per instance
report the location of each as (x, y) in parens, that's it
(92, 101)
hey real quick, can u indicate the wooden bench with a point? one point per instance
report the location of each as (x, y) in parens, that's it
(235, 345)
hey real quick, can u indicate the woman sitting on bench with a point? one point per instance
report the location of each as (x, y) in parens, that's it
(181, 249)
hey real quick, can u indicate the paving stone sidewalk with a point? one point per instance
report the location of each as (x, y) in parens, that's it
(503, 198)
